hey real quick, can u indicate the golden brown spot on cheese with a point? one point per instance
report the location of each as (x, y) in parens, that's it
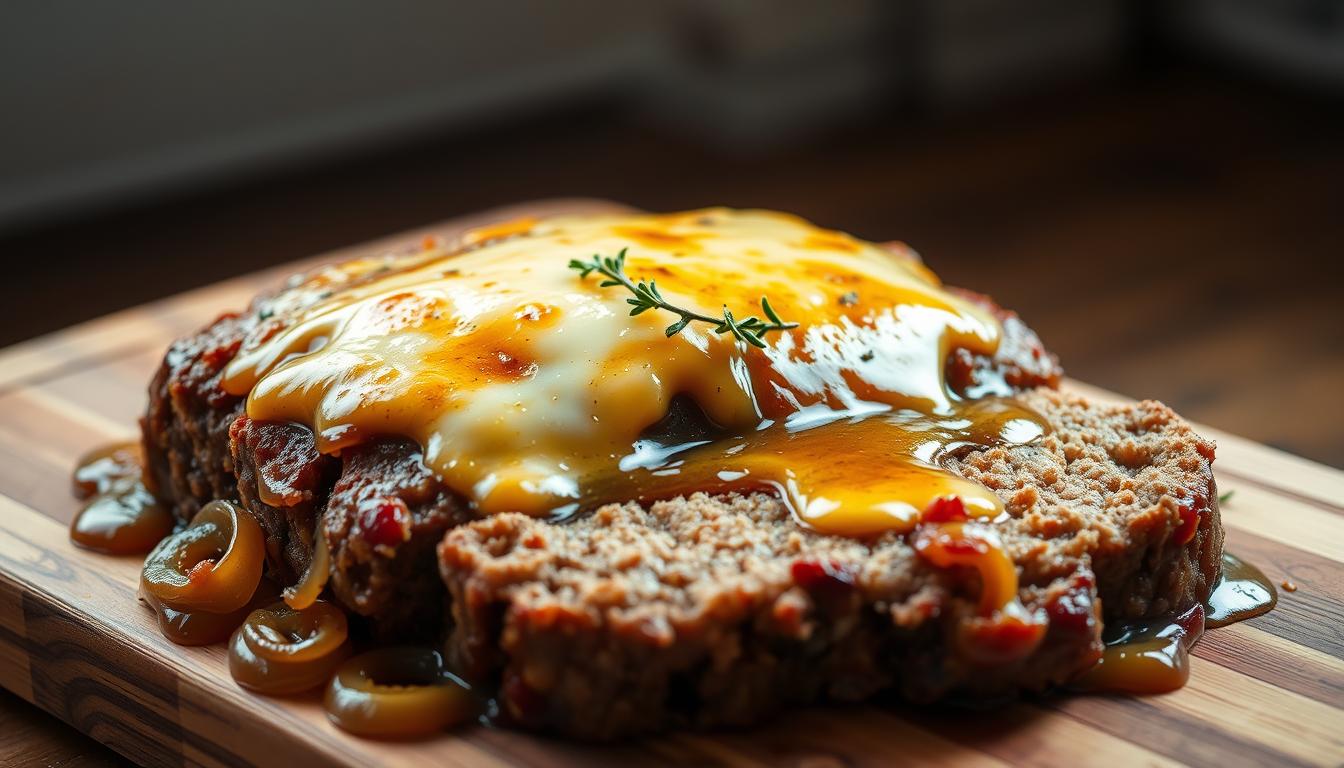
(405, 310)
(829, 240)
(661, 238)
(499, 231)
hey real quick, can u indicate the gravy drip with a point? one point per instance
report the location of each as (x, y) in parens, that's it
(120, 516)
(826, 474)
(1154, 656)
(1243, 592)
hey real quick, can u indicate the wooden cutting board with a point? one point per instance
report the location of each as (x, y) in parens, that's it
(74, 641)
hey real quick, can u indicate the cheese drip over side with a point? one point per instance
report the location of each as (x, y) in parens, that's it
(532, 389)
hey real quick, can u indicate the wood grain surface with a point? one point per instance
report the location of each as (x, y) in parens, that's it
(74, 641)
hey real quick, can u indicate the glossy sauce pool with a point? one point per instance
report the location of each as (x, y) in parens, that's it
(1154, 656)
(120, 516)
(824, 473)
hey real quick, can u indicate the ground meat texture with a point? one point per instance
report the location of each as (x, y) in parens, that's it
(1021, 362)
(386, 515)
(719, 611)
(1119, 483)
(706, 611)
(185, 429)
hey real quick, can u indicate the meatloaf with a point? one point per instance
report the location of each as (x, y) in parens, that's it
(704, 610)
(715, 611)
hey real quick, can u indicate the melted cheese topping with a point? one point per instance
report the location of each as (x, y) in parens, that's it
(532, 389)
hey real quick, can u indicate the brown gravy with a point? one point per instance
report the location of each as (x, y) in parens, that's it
(1243, 592)
(120, 516)
(824, 473)
(1154, 656)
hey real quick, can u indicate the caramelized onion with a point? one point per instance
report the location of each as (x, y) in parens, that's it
(397, 693)
(978, 546)
(212, 565)
(1003, 630)
(201, 628)
(305, 592)
(279, 650)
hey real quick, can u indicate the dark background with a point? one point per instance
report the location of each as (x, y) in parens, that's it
(1163, 203)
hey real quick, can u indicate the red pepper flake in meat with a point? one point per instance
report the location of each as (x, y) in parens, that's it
(823, 578)
(1002, 639)
(1190, 511)
(386, 523)
(945, 509)
(218, 356)
(1074, 609)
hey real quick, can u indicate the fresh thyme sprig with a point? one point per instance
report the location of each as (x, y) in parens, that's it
(646, 297)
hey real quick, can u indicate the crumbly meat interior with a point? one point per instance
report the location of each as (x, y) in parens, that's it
(696, 610)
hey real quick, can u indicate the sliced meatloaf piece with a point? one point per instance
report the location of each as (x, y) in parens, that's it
(718, 611)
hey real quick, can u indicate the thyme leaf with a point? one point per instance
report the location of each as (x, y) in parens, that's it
(646, 296)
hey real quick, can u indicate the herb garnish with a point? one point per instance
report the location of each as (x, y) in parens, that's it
(1223, 497)
(646, 297)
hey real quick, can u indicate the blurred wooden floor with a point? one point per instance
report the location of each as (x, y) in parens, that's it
(1171, 237)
